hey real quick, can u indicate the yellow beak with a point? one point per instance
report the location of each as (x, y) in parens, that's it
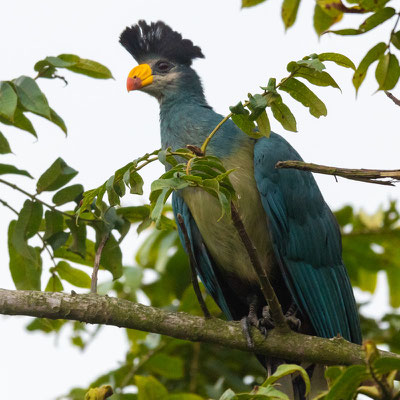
(139, 77)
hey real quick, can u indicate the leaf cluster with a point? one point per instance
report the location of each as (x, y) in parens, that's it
(329, 12)
(252, 118)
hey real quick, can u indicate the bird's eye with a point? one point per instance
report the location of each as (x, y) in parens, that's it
(164, 66)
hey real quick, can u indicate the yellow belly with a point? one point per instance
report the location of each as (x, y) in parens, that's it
(221, 238)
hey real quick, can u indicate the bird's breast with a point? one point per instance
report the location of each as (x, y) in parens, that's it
(220, 236)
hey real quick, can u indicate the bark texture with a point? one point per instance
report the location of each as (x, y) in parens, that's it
(96, 309)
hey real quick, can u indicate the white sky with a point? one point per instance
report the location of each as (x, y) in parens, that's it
(108, 128)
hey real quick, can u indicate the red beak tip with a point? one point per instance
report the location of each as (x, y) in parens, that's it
(133, 83)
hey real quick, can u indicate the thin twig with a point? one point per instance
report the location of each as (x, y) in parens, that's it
(393, 98)
(5, 204)
(363, 175)
(33, 197)
(97, 257)
(193, 268)
(265, 284)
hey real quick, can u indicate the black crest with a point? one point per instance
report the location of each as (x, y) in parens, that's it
(159, 39)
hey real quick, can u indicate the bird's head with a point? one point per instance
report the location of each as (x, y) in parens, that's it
(164, 58)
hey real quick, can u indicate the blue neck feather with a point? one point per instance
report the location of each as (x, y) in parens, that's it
(186, 118)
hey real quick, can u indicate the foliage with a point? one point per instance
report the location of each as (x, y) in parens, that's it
(329, 12)
(310, 68)
(159, 366)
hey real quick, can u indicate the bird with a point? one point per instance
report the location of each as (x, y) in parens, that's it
(295, 233)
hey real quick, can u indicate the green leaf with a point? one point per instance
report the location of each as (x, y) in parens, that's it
(57, 120)
(313, 76)
(337, 58)
(113, 197)
(86, 67)
(165, 365)
(393, 278)
(323, 21)
(57, 62)
(330, 7)
(72, 275)
(134, 181)
(361, 71)
(54, 284)
(4, 145)
(29, 219)
(257, 105)
(26, 269)
(248, 127)
(68, 194)
(238, 109)
(384, 365)
(45, 325)
(289, 12)
(229, 394)
(395, 39)
(387, 71)
(282, 114)
(172, 183)
(160, 197)
(287, 369)
(346, 385)
(376, 19)
(300, 92)
(251, 3)
(78, 233)
(54, 233)
(372, 5)
(8, 101)
(31, 97)
(150, 388)
(64, 253)
(371, 22)
(184, 396)
(11, 169)
(263, 124)
(20, 121)
(56, 176)
(312, 62)
(135, 213)
(111, 257)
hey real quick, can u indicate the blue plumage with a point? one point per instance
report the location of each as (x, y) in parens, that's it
(294, 231)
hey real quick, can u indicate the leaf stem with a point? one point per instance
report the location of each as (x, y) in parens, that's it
(97, 257)
(33, 197)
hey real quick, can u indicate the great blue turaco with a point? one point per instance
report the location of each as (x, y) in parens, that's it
(294, 231)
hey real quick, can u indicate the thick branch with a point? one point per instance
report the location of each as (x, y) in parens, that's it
(95, 309)
(364, 175)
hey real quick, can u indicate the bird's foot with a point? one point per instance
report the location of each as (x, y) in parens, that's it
(290, 316)
(252, 320)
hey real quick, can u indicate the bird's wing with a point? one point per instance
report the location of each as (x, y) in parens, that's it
(205, 265)
(306, 241)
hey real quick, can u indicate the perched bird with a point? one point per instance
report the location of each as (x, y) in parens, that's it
(294, 231)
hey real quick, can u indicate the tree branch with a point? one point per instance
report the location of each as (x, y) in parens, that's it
(363, 175)
(393, 98)
(265, 284)
(95, 309)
